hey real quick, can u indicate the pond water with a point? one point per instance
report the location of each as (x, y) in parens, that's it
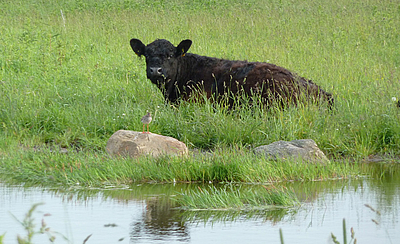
(143, 214)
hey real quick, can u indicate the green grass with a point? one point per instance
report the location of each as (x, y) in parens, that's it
(96, 169)
(68, 77)
(213, 198)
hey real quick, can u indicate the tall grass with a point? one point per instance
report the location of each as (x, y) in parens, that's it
(228, 198)
(68, 76)
(96, 169)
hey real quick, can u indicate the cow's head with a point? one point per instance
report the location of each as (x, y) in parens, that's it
(162, 59)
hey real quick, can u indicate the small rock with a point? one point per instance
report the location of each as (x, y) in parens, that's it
(305, 149)
(135, 144)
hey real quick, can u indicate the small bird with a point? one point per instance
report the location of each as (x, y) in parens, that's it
(146, 120)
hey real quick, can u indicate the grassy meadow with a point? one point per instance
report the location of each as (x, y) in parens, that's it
(68, 78)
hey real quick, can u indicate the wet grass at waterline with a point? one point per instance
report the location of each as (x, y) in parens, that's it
(225, 198)
(99, 169)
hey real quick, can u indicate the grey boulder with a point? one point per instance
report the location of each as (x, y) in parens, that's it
(304, 149)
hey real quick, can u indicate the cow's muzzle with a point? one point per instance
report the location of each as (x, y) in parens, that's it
(155, 72)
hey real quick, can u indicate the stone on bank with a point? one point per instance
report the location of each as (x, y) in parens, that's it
(135, 144)
(304, 149)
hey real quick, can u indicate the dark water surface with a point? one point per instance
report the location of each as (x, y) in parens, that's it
(143, 214)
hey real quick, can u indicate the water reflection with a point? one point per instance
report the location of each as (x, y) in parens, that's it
(145, 213)
(159, 221)
(273, 216)
(385, 182)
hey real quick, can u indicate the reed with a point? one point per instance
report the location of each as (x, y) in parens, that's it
(352, 240)
(30, 226)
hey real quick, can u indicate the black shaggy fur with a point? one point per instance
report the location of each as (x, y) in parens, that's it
(179, 75)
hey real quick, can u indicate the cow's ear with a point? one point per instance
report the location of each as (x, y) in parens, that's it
(183, 47)
(138, 47)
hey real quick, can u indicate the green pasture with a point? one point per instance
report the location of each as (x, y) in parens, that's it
(68, 78)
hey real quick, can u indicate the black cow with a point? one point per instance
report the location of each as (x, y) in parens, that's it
(179, 75)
